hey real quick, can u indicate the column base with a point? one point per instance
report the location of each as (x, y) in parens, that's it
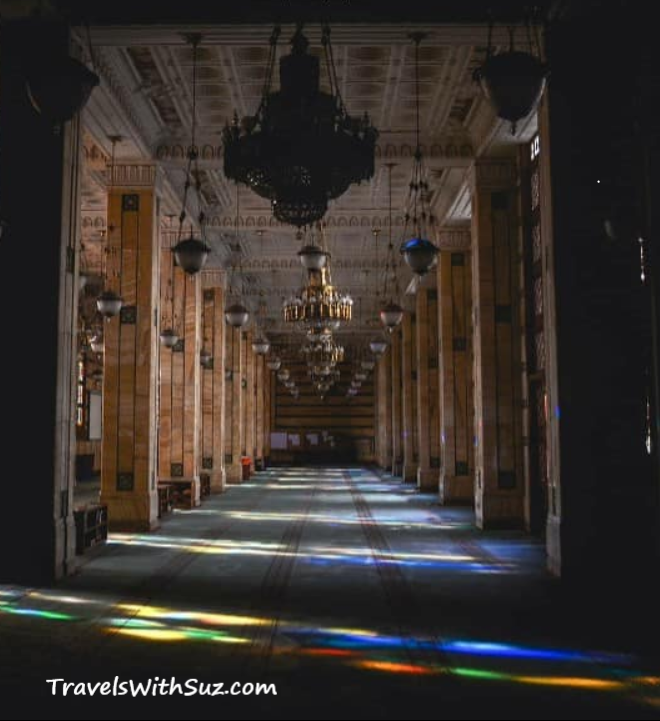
(409, 473)
(456, 489)
(218, 481)
(553, 544)
(427, 479)
(131, 513)
(234, 473)
(497, 510)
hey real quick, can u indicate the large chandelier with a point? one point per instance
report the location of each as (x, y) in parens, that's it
(301, 148)
(319, 304)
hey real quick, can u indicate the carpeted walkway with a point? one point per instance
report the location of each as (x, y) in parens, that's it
(355, 595)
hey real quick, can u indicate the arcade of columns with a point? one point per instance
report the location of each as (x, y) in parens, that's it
(165, 415)
(449, 388)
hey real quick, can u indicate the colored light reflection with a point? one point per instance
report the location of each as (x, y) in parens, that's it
(36, 612)
(209, 619)
(505, 650)
(155, 631)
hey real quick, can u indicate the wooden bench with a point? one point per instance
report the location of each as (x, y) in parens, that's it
(164, 498)
(205, 485)
(181, 492)
(91, 525)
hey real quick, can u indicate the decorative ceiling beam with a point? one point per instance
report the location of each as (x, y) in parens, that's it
(360, 34)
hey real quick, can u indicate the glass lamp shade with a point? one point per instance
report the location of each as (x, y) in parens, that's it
(109, 304)
(368, 365)
(313, 257)
(96, 344)
(191, 254)
(237, 315)
(352, 392)
(290, 384)
(283, 375)
(513, 82)
(323, 387)
(378, 347)
(169, 338)
(356, 384)
(58, 89)
(419, 254)
(274, 364)
(261, 346)
(391, 315)
(360, 376)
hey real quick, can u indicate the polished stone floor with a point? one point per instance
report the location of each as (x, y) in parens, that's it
(354, 594)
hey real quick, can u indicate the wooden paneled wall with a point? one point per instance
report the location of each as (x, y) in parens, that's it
(350, 422)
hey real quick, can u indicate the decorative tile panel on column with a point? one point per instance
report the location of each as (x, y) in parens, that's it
(455, 385)
(234, 370)
(408, 417)
(213, 379)
(497, 372)
(130, 359)
(180, 373)
(428, 437)
(397, 447)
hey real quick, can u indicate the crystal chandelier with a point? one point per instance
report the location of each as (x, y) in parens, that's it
(301, 148)
(319, 304)
(418, 252)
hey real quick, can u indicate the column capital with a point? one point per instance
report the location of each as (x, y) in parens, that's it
(494, 173)
(454, 239)
(214, 279)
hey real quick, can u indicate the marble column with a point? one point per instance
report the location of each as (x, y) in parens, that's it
(397, 445)
(213, 380)
(249, 398)
(259, 388)
(384, 412)
(179, 452)
(455, 385)
(408, 416)
(499, 484)
(128, 456)
(426, 338)
(234, 369)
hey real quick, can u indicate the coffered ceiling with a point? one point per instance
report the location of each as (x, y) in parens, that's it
(146, 97)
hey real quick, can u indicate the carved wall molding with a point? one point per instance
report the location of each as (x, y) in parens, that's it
(493, 173)
(214, 278)
(133, 174)
(266, 220)
(456, 239)
(385, 151)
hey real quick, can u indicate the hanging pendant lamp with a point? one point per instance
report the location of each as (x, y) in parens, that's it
(109, 304)
(418, 252)
(391, 314)
(169, 338)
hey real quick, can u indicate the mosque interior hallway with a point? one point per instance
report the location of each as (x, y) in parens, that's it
(349, 591)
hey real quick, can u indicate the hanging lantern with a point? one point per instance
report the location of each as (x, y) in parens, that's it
(356, 384)
(313, 257)
(96, 344)
(109, 304)
(237, 315)
(261, 346)
(513, 82)
(169, 338)
(420, 254)
(283, 375)
(368, 365)
(391, 315)
(290, 384)
(59, 88)
(274, 364)
(205, 358)
(378, 347)
(360, 376)
(352, 392)
(191, 254)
